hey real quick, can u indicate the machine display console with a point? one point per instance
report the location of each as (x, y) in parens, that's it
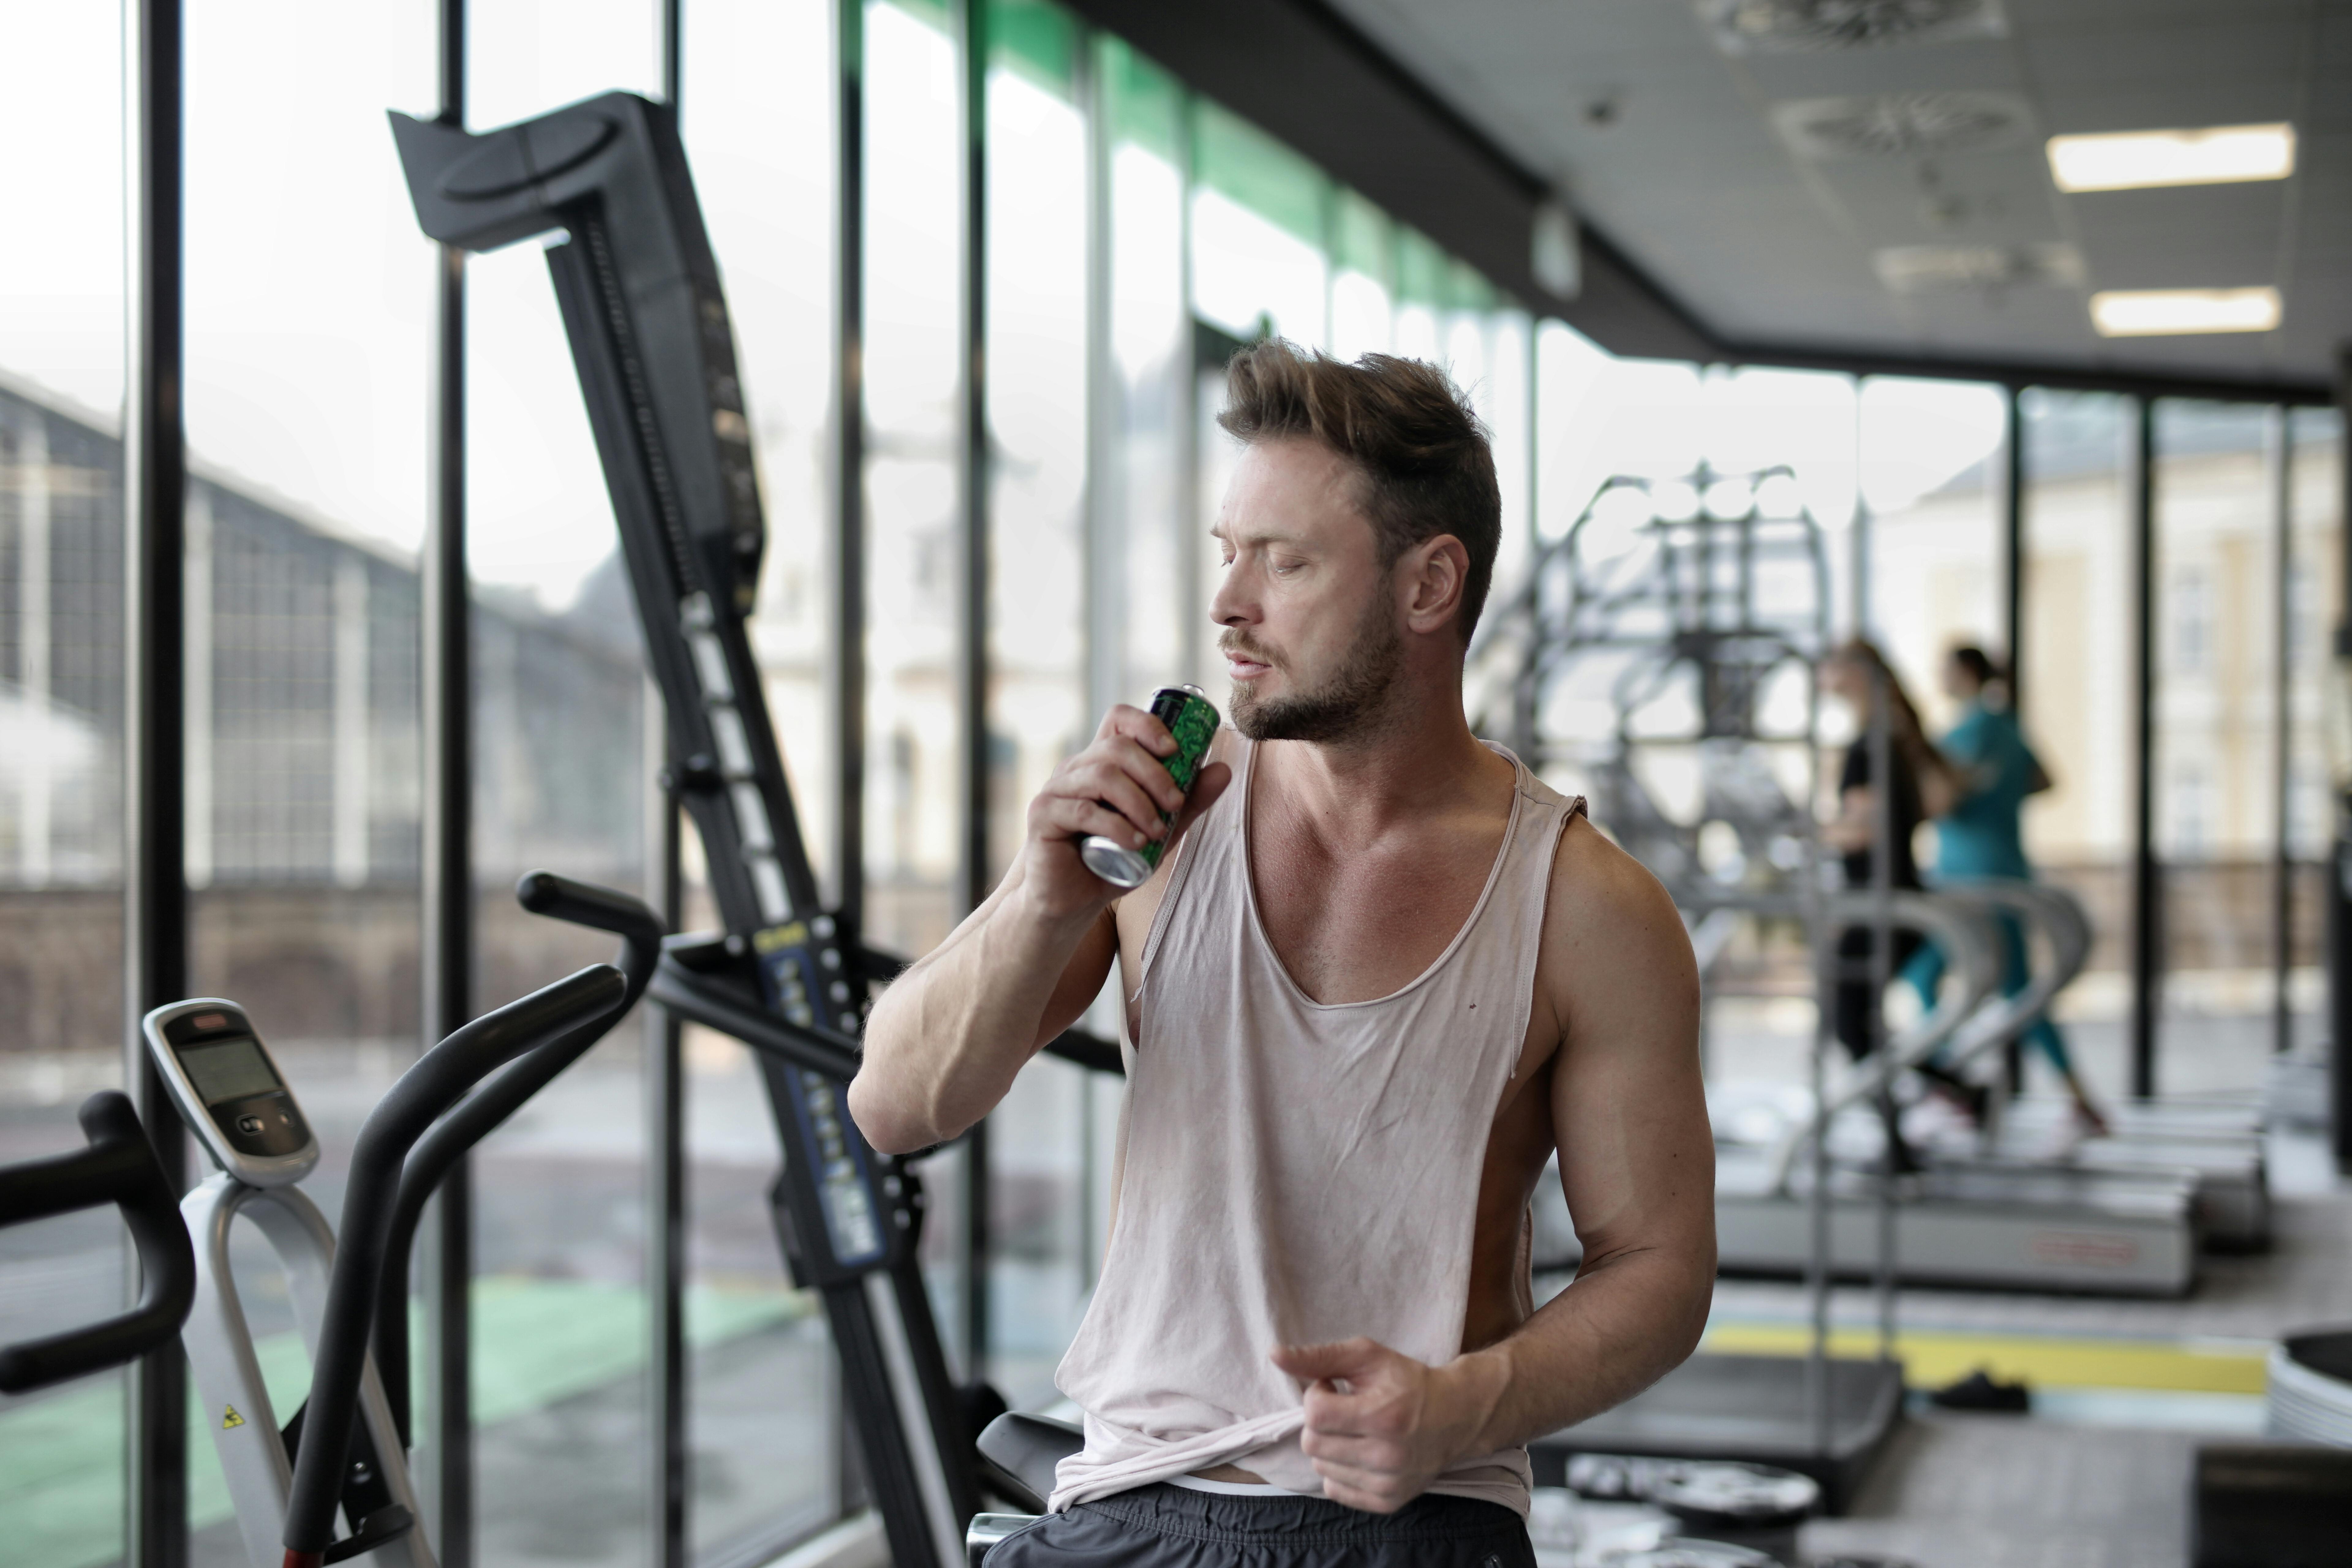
(230, 1092)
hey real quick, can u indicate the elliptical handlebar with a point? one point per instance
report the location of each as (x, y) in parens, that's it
(119, 1167)
(419, 1096)
(558, 898)
(586, 904)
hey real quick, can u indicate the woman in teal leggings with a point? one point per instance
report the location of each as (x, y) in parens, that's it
(1979, 838)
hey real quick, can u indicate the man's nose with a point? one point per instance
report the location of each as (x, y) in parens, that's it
(1230, 605)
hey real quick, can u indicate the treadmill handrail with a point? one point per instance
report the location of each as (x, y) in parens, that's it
(415, 1100)
(2056, 912)
(119, 1167)
(1964, 935)
(487, 1109)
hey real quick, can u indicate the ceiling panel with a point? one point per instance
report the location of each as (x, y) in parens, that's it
(1686, 173)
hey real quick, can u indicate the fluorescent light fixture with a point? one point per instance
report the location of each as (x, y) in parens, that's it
(2160, 312)
(2135, 160)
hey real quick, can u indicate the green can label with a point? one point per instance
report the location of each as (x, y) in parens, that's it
(1192, 719)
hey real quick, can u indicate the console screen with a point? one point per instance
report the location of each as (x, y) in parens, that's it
(228, 1070)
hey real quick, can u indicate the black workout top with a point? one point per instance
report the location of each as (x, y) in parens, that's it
(1908, 814)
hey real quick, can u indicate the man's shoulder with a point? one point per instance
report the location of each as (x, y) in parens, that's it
(1596, 884)
(1608, 922)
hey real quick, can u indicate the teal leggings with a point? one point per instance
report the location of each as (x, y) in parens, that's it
(1925, 970)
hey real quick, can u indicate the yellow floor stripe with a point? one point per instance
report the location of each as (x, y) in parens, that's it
(1931, 1360)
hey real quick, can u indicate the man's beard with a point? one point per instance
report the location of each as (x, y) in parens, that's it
(1345, 706)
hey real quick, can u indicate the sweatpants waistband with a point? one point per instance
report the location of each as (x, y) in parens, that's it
(1290, 1520)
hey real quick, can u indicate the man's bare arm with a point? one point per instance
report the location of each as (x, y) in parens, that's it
(1638, 1162)
(947, 1039)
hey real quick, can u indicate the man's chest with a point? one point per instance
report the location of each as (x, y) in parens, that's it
(1349, 927)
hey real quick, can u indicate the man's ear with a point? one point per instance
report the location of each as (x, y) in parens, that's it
(1437, 573)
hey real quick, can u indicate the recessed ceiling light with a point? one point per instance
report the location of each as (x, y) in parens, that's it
(2135, 160)
(1925, 268)
(2160, 312)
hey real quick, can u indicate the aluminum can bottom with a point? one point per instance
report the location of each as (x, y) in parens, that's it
(1113, 862)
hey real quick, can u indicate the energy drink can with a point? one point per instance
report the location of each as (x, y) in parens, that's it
(1192, 718)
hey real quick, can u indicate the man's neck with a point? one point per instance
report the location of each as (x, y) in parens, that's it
(1418, 760)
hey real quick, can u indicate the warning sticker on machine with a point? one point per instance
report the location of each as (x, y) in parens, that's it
(230, 1419)
(2089, 1250)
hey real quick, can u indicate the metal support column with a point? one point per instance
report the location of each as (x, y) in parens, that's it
(2146, 883)
(154, 827)
(2278, 453)
(1184, 364)
(846, 674)
(666, 1213)
(1858, 537)
(2336, 894)
(672, 61)
(2012, 516)
(666, 1219)
(972, 641)
(446, 1436)
(849, 669)
(1105, 535)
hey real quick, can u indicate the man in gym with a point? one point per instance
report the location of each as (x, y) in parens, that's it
(1381, 973)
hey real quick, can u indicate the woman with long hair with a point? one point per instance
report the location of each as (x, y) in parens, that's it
(1920, 784)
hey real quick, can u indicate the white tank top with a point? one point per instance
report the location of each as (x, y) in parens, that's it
(1292, 1172)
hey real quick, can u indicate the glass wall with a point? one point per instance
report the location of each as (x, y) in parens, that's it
(912, 562)
(2074, 695)
(1040, 172)
(1932, 473)
(559, 1297)
(763, 1418)
(2314, 564)
(61, 1454)
(2216, 613)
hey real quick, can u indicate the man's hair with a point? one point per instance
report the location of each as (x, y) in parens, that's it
(1423, 455)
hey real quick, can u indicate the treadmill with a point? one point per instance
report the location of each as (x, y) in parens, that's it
(2018, 1204)
(639, 292)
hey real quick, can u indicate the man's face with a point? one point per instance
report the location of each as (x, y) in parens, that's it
(1310, 636)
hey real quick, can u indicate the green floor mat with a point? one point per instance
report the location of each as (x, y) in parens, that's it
(536, 1342)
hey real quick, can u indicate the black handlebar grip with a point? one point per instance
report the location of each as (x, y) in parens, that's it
(415, 1101)
(119, 1167)
(586, 904)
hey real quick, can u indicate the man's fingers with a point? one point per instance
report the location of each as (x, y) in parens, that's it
(1373, 1456)
(1071, 817)
(1317, 1364)
(1126, 718)
(1349, 1412)
(1144, 768)
(1364, 1489)
(1112, 785)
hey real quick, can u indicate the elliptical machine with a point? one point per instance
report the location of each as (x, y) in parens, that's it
(344, 1451)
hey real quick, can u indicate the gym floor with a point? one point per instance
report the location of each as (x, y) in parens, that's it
(2096, 1476)
(2124, 1390)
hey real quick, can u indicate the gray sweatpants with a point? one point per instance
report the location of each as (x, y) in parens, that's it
(1170, 1527)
